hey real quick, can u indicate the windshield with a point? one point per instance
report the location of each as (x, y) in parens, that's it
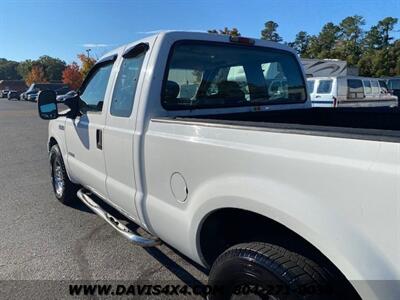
(206, 74)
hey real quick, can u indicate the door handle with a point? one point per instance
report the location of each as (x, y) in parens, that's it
(99, 139)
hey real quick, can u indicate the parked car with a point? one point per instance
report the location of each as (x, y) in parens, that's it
(244, 178)
(4, 93)
(13, 95)
(35, 88)
(394, 85)
(350, 91)
(32, 97)
(70, 94)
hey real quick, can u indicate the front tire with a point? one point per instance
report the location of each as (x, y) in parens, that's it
(64, 189)
(266, 271)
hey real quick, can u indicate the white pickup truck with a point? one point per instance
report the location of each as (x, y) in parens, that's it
(210, 144)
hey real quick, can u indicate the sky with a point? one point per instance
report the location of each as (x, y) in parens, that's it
(64, 28)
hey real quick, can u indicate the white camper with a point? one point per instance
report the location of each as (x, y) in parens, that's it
(349, 91)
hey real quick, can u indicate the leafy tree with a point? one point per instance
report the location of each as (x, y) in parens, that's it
(87, 63)
(373, 39)
(301, 43)
(36, 75)
(270, 32)
(233, 32)
(72, 76)
(350, 38)
(24, 68)
(8, 69)
(385, 26)
(53, 67)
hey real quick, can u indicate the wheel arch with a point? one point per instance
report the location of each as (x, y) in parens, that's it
(249, 226)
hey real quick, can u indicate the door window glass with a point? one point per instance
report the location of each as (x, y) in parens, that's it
(125, 86)
(92, 97)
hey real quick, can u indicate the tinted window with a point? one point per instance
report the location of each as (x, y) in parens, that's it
(324, 87)
(215, 75)
(355, 89)
(394, 84)
(310, 84)
(92, 98)
(367, 86)
(125, 86)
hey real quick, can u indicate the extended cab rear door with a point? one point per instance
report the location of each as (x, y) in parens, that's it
(120, 130)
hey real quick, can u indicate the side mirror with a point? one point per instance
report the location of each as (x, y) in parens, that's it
(47, 105)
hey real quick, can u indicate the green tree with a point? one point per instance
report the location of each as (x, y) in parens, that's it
(8, 69)
(53, 67)
(301, 43)
(24, 68)
(233, 32)
(385, 26)
(270, 32)
(350, 39)
(373, 39)
(324, 45)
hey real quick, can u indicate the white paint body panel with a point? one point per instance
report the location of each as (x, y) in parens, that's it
(341, 195)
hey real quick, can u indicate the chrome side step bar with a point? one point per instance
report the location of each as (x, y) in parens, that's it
(84, 196)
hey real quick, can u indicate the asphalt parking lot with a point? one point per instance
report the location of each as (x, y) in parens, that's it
(41, 239)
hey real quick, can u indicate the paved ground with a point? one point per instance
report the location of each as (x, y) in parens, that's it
(42, 239)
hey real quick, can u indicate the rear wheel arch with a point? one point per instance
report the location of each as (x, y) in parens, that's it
(226, 227)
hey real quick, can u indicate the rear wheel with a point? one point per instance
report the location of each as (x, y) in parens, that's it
(64, 189)
(266, 271)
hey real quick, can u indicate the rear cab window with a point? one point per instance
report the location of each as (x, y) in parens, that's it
(324, 87)
(212, 74)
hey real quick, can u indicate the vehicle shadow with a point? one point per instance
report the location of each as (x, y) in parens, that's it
(165, 255)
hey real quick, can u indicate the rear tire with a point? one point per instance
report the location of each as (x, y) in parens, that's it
(266, 271)
(64, 189)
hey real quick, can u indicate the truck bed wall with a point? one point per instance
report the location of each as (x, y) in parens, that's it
(361, 123)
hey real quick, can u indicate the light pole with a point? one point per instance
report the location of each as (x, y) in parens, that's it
(88, 51)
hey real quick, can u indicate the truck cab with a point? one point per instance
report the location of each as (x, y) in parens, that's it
(210, 144)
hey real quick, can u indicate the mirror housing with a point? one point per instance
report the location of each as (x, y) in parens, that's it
(47, 105)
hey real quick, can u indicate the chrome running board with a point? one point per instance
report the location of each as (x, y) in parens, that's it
(84, 196)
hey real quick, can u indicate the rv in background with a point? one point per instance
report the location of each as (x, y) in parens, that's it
(350, 91)
(327, 68)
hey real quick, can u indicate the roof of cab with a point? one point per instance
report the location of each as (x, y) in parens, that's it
(195, 35)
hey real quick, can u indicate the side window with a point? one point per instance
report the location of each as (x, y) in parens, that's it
(92, 97)
(310, 84)
(125, 86)
(375, 87)
(355, 89)
(383, 87)
(367, 86)
(324, 87)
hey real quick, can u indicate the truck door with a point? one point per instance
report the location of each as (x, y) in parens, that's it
(120, 129)
(84, 134)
